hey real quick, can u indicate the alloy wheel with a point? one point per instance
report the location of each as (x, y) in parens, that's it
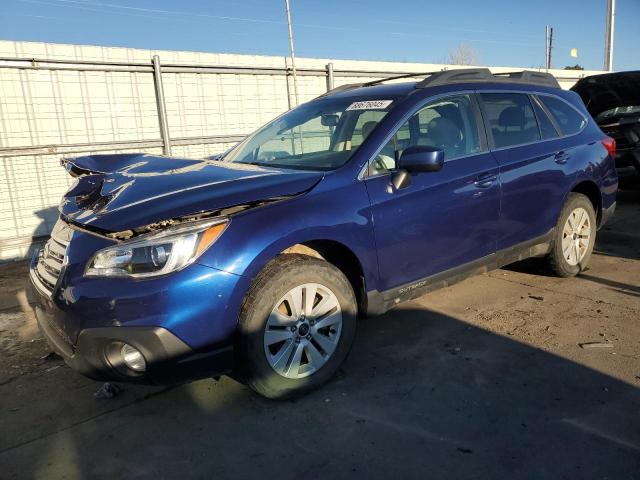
(576, 236)
(303, 330)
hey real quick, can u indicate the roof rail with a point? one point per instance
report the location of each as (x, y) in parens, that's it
(341, 88)
(531, 77)
(456, 75)
(467, 75)
(462, 75)
(350, 86)
(398, 77)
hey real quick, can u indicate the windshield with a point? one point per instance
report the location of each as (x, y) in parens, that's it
(617, 112)
(319, 135)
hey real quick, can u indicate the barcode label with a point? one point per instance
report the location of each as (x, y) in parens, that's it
(370, 105)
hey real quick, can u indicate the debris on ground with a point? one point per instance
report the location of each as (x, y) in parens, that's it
(587, 345)
(50, 356)
(537, 297)
(108, 390)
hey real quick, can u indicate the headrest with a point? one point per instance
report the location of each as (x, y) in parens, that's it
(511, 117)
(367, 128)
(444, 132)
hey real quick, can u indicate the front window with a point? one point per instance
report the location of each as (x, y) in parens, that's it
(448, 123)
(319, 135)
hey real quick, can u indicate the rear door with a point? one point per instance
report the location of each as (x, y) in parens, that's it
(442, 219)
(532, 162)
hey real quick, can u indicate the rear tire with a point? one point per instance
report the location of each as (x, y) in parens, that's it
(296, 326)
(574, 237)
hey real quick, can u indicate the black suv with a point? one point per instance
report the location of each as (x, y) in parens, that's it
(613, 99)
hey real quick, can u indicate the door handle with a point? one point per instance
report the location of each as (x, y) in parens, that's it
(485, 181)
(561, 158)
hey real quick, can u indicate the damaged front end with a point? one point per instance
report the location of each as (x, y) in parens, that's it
(126, 252)
(121, 197)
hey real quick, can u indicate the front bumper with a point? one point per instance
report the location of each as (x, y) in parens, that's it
(169, 360)
(81, 335)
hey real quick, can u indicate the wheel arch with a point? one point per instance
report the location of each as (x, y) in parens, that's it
(333, 251)
(590, 189)
(340, 256)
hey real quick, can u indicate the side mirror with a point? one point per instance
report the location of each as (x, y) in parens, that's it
(421, 158)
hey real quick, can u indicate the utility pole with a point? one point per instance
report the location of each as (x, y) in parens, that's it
(546, 48)
(549, 46)
(293, 56)
(608, 39)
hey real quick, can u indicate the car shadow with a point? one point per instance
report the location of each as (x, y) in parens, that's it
(619, 287)
(422, 395)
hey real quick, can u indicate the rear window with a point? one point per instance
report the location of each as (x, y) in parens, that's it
(511, 119)
(569, 120)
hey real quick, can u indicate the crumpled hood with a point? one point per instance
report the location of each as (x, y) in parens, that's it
(604, 92)
(126, 191)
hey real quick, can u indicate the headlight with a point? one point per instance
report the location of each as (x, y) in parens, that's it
(158, 253)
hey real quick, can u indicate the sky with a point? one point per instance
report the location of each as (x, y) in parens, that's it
(502, 32)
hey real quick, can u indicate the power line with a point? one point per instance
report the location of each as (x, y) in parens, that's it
(128, 11)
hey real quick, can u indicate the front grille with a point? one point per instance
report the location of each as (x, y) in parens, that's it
(46, 271)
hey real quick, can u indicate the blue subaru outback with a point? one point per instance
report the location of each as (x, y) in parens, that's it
(260, 261)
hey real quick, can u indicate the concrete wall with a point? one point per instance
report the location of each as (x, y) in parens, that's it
(54, 108)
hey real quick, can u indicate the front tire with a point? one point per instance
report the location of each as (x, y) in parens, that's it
(296, 326)
(575, 237)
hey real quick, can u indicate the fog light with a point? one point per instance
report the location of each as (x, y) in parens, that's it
(133, 358)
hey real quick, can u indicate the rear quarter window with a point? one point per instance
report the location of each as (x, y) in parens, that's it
(547, 130)
(567, 117)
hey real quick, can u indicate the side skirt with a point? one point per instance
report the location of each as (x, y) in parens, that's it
(380, 302)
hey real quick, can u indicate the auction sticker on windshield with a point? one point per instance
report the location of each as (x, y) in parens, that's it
(370, 105)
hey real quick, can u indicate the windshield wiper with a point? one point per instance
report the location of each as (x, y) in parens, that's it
(290, 166)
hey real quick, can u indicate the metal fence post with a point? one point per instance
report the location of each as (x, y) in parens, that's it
(162, 106)
(286, 80)
(329, 76)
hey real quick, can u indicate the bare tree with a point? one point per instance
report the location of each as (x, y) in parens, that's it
(463, 54)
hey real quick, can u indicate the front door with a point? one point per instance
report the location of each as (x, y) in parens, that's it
(442, 219)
